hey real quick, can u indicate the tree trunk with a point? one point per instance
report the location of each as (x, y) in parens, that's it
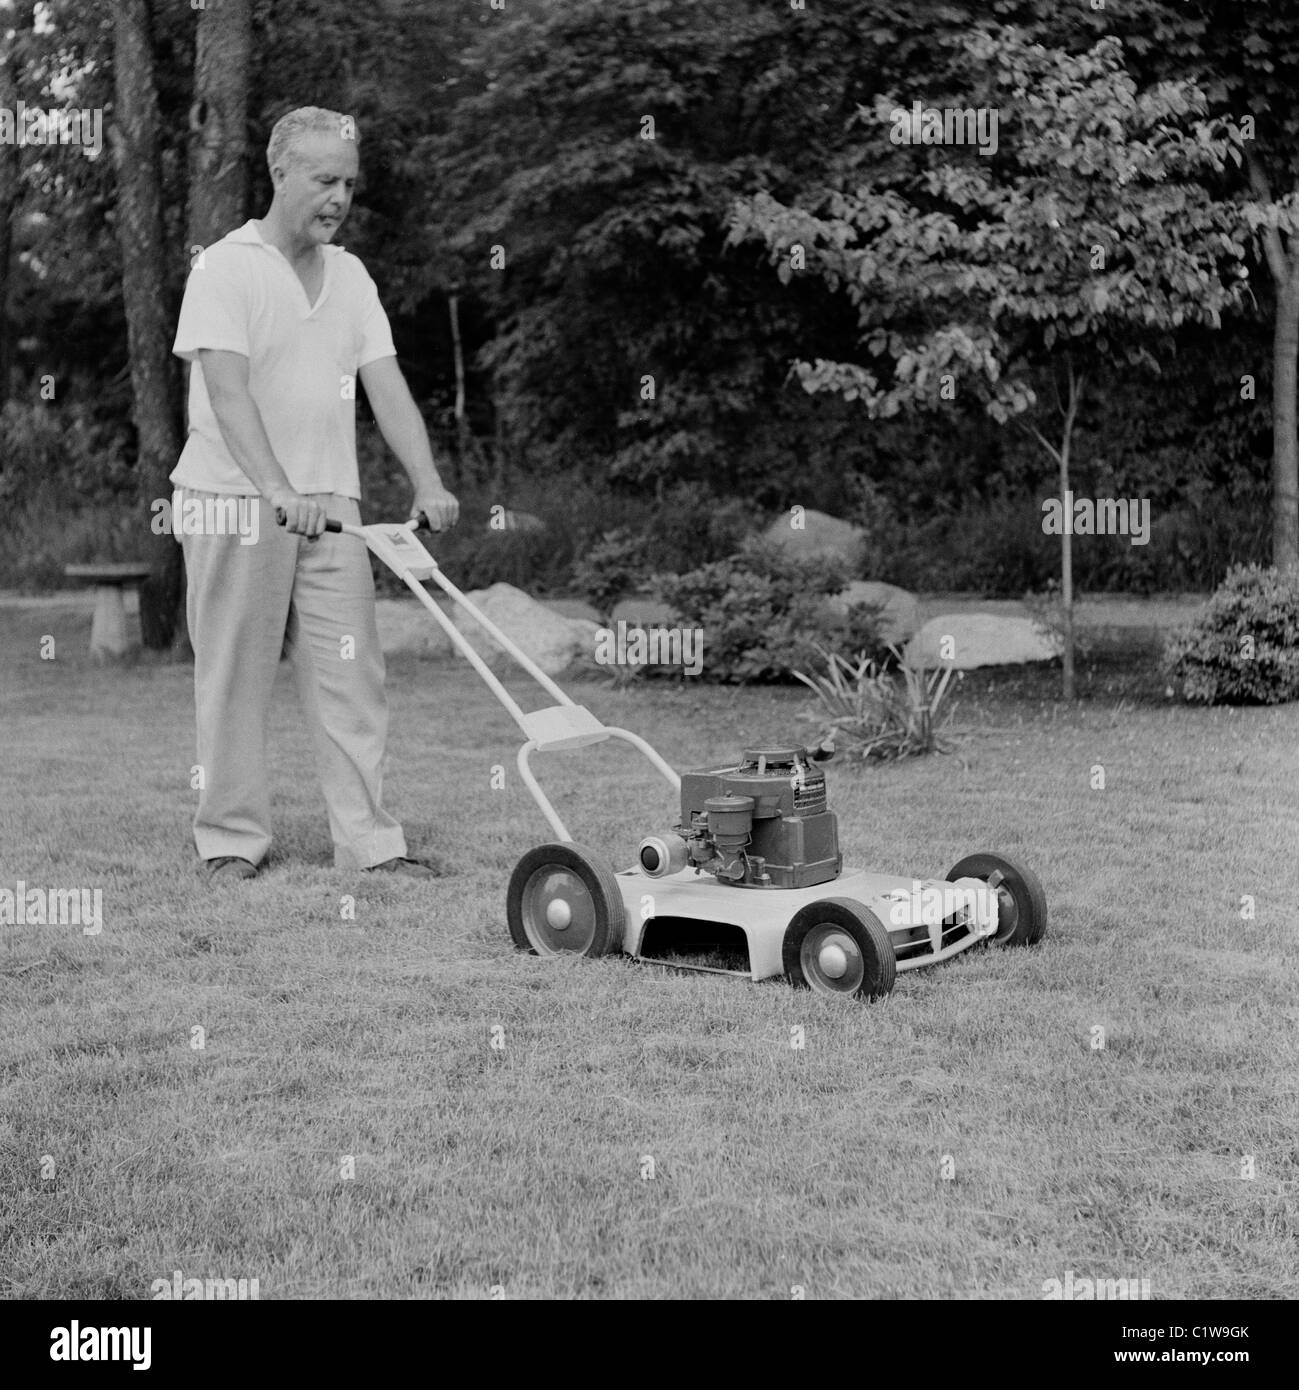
(1283, 263)
(218, 156)
(1066, 575)
(218, 120)
(1061, 456)
(1285, 436)
(149, 304)
(10, 67)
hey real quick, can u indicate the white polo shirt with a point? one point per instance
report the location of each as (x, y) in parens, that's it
(303, 361)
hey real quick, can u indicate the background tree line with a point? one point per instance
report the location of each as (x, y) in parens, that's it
(553, 186)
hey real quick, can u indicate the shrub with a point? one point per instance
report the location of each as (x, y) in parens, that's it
(619, 562)
(687, 527)
(1243, 646)
(61, 452)
(874, 715)
(597, 542)
(67, 490)
(691, 525)
(994, 545)
(763, 614)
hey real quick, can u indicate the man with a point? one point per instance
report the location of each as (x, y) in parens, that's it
(277, 324)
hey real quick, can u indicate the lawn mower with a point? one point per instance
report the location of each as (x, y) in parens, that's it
(755, 853)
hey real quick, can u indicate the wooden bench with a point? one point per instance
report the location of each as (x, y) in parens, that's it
(110, 637)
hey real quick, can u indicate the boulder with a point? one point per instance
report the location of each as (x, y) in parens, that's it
(405, 625)
(980, 639)
(589, 643)
(899, 609)
(550, 639)
(812, 535)
(574, 608)
(643, 610)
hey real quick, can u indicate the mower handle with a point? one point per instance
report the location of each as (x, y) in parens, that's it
(337, 526)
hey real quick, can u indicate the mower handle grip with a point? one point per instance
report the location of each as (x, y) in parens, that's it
(336, 526)
(330, 523)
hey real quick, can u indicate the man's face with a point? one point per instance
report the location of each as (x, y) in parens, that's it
(314, 189)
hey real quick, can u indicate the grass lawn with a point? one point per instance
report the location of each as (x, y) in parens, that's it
(128, 1152)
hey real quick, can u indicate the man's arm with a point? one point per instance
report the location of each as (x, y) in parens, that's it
(402, 426)
(225, 375)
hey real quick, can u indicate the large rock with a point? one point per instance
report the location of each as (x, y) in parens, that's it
(811, 535)
(980, 639)
(574, 608)
(550, 639)
(899, 615)
(405, 625)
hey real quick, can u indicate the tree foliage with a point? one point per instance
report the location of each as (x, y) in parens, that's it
(523, 129)
(600, 158)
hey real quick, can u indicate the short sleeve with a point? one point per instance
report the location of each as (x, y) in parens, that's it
(214, 312)
(376, 334)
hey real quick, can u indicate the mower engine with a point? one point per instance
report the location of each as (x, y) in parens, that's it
(763, 824)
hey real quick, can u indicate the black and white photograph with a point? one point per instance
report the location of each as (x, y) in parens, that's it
(649, 652)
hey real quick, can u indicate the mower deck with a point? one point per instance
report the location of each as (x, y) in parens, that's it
(921, 931)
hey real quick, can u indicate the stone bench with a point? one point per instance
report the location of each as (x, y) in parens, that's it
(111, 638)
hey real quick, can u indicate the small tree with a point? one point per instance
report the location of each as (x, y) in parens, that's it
(1091, 231)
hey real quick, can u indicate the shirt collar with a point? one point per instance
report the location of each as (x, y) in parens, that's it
(251, 234)
(248, 232)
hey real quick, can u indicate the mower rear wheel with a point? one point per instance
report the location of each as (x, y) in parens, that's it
(1021, 902)
(564, 900)
(837, 946)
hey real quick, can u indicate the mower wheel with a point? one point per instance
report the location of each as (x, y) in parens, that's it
(564, 900)
(1021, 903)
(837, 946)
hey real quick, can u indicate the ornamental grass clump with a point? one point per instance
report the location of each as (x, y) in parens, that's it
(872, 714)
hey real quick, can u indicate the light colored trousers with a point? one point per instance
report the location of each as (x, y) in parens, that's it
(313, 600)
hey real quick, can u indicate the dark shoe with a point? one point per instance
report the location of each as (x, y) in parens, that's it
(228, 867)
(410, 868)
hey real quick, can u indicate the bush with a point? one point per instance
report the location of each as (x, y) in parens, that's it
(1243, 647)
(994, 545)
(60, 452)
(872, 715)
(688, 526)
(473, 554)
(763, 614)
(618, 563)
(597, 542)
(67, 491)
(691, 525)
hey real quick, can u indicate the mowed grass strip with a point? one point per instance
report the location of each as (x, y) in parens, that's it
(638, 1131)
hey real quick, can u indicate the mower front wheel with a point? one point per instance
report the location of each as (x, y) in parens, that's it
(564, 900)
(837, 946)
(1021, 901)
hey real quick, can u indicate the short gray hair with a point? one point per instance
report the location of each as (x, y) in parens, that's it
(306, 120)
